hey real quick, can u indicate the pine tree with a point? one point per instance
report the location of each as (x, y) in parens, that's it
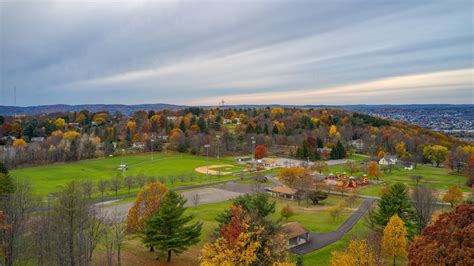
(319, 142)
(265, 129)
(182, 126)
(394, 240)
(275, 130)
(395, 202)
(169, 229)
(202, 124)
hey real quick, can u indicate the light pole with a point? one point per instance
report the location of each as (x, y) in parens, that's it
(152, 155)
(218, 144)
(207, 158)
(253, 148)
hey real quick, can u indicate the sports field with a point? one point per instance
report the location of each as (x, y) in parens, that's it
(50, 178)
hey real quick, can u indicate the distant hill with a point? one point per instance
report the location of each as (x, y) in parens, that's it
(128, 109)
(111, 108)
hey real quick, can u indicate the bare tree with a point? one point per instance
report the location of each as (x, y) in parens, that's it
(140, 180)
(115, 184)
(129, 182)
(195, 198)
(424, 199)
(87, 187)
(102, 186)
(17, 207)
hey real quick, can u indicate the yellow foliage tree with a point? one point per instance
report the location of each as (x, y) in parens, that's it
(277, 111)
(60, 122)
(332, 131)
(454, 196)
(146, 204)
(70, 135)
(19, 143)
(293, 176)
(394, 240)
(358, 253)
(57, 134)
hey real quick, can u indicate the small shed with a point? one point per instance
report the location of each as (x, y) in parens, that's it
(296, 234)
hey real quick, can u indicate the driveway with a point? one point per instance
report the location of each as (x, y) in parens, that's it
(320, 240)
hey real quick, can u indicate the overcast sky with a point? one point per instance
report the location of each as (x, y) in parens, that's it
(201, 52)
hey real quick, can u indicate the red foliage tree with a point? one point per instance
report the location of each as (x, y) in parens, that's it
(448, 241)
(311, 141)
(260, 152)
(231, 231)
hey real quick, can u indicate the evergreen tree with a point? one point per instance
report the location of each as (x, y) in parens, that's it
(182, 126)
(275, 130)
(395, 201)
(338, 152)
(169, 230)
(202, 124)
(6, 184)
(319, 142)
(265, 129)
(3, 169)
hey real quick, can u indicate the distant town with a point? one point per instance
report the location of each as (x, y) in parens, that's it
(454, 121)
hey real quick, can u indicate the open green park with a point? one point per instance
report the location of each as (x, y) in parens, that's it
(312, 217)
(174, 169)
(179, 170)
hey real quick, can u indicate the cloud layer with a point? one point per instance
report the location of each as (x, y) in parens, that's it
(199, 52)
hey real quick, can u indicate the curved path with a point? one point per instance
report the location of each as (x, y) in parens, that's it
(320, 240)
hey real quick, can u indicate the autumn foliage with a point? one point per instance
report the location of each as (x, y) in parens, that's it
(373, 170)
(260, 152)
(358, 253)
(394, 240)
(146, 204)
(449, 240)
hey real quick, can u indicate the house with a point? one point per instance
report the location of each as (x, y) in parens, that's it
(283, 192)
(37, 139)
(138, 145)
(358, 144)
(237, 121)
(73, 125)
(172, 118)
(296, 234)
(388, 160)
(227, 121)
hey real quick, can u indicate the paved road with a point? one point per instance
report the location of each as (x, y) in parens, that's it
(320, 240)
(205, 196)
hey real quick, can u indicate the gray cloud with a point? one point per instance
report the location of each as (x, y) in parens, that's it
(198, 51)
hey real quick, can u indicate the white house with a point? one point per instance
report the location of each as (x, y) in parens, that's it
(388, 160)
(37, 139)
(358, 144)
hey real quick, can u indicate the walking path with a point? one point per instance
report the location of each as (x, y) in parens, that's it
(320, 240)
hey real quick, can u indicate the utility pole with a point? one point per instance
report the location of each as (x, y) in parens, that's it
(218, 144)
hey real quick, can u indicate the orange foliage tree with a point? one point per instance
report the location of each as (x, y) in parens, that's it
(454, 195)
(260, 152)
(146, 204)
(373, 170)
(449, 240)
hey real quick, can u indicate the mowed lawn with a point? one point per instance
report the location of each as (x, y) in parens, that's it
(436, 177)
(314, 218)
(50, 178)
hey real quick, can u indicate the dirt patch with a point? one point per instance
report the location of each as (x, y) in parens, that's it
(205, 169)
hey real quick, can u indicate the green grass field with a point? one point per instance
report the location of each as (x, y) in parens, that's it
(50, 178)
